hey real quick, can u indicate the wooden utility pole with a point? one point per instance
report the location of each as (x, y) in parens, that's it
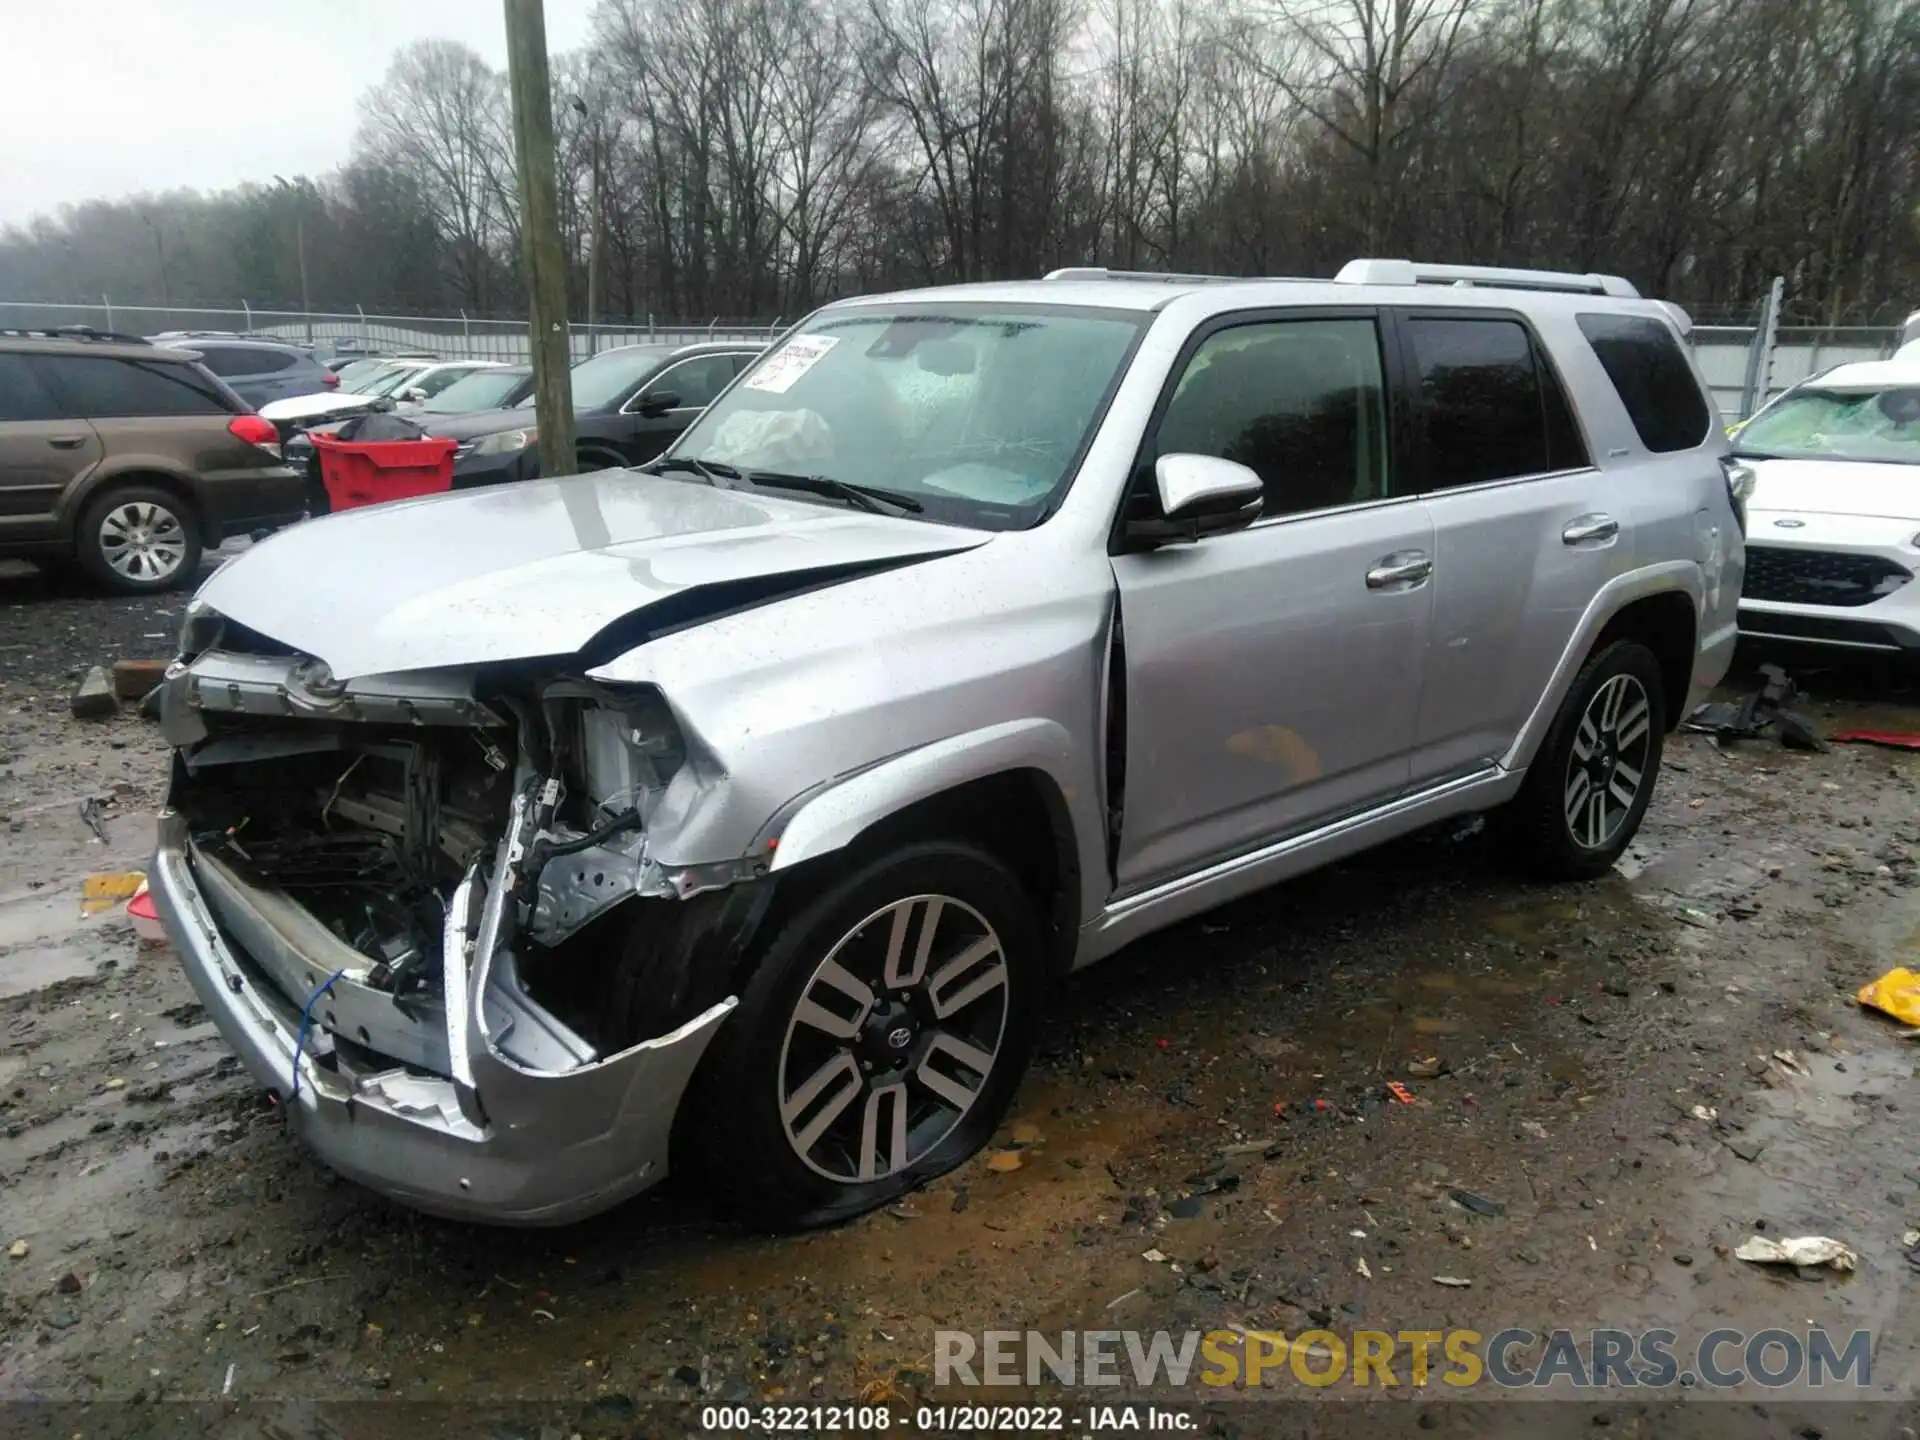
(541, 254)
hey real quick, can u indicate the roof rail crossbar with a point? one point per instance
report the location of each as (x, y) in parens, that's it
(1406, 272)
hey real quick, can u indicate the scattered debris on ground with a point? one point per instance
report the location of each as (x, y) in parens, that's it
(93, 699)
(1764, 708)
(1896, 993)
(1808, 1252)
(1891, 740)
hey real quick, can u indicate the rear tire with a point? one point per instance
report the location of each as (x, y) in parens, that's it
(1588, 788)
(139, 540)
(879, 1042)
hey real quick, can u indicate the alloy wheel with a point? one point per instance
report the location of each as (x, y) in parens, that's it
(143, 541)
(893, 1038)
(1608, 764)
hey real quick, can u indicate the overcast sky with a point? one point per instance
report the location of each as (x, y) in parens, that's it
(106, 98)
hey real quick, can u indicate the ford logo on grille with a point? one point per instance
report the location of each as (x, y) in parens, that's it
(1791, 524)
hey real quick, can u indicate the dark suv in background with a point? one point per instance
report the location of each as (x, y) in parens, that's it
(129, 458)
(259, 370)
(629, 404)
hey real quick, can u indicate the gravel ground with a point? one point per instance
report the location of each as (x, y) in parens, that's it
(1206, 1142)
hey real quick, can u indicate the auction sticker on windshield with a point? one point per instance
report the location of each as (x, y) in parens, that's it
(782, 370)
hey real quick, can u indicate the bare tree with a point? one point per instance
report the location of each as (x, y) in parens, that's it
(439, 116)
(752, 157)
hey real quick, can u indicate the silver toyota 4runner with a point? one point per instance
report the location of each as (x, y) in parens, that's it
(739, 811)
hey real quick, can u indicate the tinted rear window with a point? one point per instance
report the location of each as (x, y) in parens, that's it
(1492, 408)
(222, 360)
(1653, 378)
(93, 387)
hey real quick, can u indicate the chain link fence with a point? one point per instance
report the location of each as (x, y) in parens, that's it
(1748, 356)
(457, 337)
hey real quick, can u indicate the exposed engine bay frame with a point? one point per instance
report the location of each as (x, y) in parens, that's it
(482, 1040)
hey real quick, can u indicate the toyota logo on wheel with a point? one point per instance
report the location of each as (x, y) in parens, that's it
(899, 1037)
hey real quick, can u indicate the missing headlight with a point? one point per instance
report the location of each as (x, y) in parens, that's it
(627, 750)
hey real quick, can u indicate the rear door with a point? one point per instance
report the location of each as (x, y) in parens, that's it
(1525, 531)
(1273, 674)
(43, 450)
(167, 411)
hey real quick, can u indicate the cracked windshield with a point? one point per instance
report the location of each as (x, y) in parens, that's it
(977, 415)
(1881, 425)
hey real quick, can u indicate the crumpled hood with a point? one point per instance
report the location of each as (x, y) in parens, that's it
(1836, 487)
(544, 567)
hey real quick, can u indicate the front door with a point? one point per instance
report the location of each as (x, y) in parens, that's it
(693, 383)
(1273, 675)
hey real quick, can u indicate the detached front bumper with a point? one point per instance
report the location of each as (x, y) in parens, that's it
(500, 1142)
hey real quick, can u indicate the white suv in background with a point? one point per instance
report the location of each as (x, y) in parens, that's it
(1834, 516)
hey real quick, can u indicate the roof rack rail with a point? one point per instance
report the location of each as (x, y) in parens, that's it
(1406, 272)
(73, 332)
(1100, 272)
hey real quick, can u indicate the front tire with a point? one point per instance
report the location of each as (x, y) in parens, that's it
(139, 540)
(1588, 788)
(879, 1041)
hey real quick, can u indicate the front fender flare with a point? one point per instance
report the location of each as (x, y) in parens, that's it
(826, 820)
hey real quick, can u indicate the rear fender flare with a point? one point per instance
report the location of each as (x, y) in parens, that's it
(1672, 576)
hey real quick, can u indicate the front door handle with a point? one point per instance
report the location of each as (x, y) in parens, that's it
(1586, 529)
(66, 442)
(1401, 570)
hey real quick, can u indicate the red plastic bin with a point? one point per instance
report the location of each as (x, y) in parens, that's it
(372, 472)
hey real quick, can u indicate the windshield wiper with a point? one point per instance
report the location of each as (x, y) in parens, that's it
(710, 471)
(864, 497)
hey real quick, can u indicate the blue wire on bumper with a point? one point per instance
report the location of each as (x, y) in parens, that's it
(306, 1022)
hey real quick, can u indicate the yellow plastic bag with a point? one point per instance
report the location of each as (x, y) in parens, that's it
(104, 891)
(1897, 993)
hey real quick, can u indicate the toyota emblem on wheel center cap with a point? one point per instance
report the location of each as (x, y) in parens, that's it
(900, 1037)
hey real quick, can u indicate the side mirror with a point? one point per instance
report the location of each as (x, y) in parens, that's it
(658, 402)
(1200, 495)
(414, 394)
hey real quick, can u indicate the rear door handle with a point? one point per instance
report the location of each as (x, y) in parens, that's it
(66, 442)
(1402, 570)
(1587, 529)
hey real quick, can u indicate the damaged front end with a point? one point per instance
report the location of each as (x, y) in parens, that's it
(424, 911)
